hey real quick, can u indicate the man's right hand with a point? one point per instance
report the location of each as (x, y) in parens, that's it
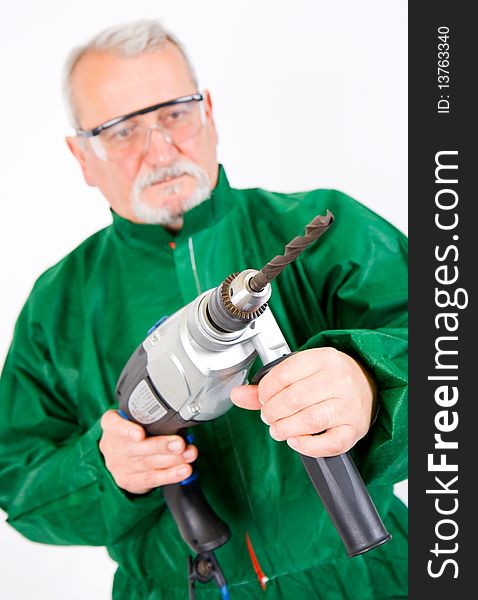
(139, 463)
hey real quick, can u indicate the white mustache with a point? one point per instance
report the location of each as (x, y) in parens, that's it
(165, 173)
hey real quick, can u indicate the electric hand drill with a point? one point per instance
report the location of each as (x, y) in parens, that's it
(183, 373)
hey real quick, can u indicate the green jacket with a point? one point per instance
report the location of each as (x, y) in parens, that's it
(87, 314)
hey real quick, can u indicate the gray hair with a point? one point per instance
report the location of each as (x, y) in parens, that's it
(130, 39)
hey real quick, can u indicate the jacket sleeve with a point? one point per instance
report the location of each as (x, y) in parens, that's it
(362, 289)
(53, 481)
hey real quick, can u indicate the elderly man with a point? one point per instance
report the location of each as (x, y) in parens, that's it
(75, 472)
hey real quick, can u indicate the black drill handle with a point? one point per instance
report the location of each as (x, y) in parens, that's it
(347, 501)
(343, 494)
(200, 527)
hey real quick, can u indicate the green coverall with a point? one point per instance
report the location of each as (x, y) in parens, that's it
(87, 314)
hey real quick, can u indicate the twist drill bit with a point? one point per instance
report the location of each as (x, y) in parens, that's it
(313, 230)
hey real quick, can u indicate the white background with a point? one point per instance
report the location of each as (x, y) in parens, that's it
(306, 94)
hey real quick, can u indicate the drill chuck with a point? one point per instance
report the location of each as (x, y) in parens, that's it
(233, 305)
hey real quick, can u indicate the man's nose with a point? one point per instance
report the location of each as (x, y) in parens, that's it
(159, 148)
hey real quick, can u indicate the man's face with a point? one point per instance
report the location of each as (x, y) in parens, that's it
(105, 86)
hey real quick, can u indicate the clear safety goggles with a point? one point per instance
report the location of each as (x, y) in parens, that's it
(129, 136)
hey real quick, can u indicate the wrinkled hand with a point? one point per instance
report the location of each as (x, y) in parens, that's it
(139, 463)
(314, 391)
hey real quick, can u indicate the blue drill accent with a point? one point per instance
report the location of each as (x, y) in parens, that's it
(190, 438)
(157, 324)
(225, 593)
(123, 414)
(190, 479)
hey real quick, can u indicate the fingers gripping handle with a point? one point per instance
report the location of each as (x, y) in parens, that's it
(344, 496)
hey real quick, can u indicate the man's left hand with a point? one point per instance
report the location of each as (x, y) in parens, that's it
(321, 390)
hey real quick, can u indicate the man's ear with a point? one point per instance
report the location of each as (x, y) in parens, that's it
(208, 103)
(77, 148)
(209, 115)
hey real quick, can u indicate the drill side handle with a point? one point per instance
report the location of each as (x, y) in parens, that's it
(346, 499)
(343, 494)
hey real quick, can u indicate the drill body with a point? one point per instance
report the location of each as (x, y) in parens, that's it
(184, 371)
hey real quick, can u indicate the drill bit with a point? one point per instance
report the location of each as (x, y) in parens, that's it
(295, 247)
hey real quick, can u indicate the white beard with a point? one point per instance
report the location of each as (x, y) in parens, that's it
(165, 215)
